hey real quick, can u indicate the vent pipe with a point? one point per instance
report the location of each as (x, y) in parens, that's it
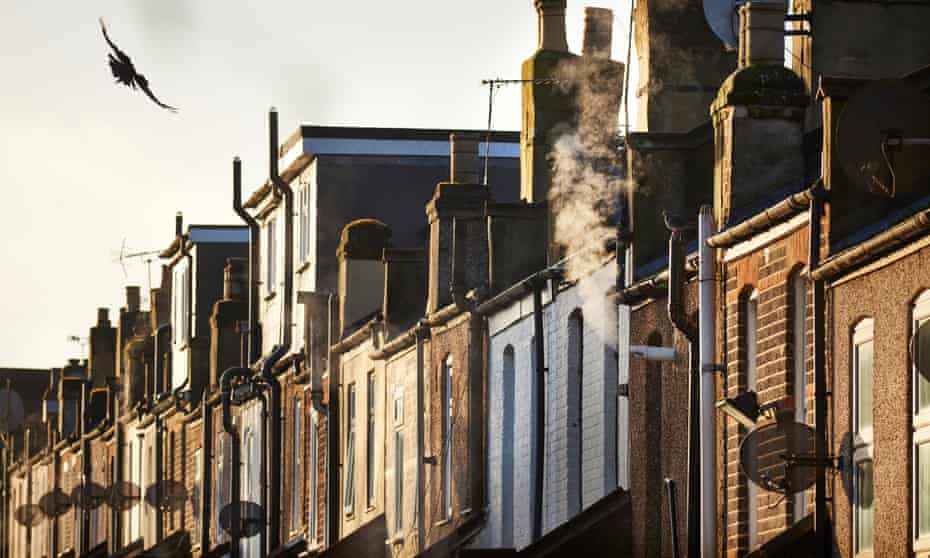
(598, 32)
(463, 151)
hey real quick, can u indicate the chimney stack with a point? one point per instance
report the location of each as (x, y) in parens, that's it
(598, 32)
(552, 25)
(133, 299)
(103, 317)
(762, 33)
(463, 151)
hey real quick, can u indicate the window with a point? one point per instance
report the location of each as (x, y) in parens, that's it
(171, 472)
(399, 482)
(271, 255)
(314, 440)
(862, 373)
(222, 490)
(799, 341)
(575, 410)
(182, 301)
(370, 443)
(448, 404)
(196, 495)
(297, 467)
(920, 363)
(507, 445)
(348, 497)
(304, 223)
(751, 312)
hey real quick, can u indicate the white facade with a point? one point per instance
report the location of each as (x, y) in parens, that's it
(582, 459)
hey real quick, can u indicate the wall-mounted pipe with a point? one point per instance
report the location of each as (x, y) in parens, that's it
(822, 526)
(540, 435)
(283, 189)
(273, 504)
(254, 255)
(673, 516)
(707, 285)
(226, 380)
(676, 314)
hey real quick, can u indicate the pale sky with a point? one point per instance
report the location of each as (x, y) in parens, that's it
(86, 164)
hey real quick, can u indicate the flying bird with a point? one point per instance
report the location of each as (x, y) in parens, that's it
(125, 72)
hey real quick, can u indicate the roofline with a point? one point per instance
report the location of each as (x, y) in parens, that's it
(767, 218)
(369, 132)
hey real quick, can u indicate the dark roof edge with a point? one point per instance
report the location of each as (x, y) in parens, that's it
(878, 245)
(793, 205)
(422, 134)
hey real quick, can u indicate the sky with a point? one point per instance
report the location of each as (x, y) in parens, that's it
(88, 167)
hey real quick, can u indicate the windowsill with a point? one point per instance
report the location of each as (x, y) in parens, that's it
(303, 267)
(442, 522)
(922, 545)
(270, 295)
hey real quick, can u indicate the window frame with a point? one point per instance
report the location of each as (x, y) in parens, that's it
(448, 406)
(348, 496)
(271, 256)
(297, 461)
(751, 348)
(398, 482)
(314, 441)
(799, 308)
(197, 497)
(862, 333)
(370, 438)
(920, 312)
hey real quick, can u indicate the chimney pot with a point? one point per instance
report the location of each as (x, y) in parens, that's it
(551, 24)
(762, 33)
(463, 151)
(178, 223)
(133, 299)
(103, 316)
(598, 32)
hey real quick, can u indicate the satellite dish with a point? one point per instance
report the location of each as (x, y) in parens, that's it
(878, 138)
(12, 411)
(172, 498)
(768, 455)
(251, 517)
(123, 496)
(88, 496)
(723, 19)
(28, 515)
(55, 503)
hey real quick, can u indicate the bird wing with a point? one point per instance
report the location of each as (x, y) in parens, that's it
(122, 56)
(144, 86)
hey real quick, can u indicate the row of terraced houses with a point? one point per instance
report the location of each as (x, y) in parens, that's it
(704, 338)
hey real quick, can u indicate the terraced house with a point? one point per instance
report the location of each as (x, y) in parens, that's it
(706, 336)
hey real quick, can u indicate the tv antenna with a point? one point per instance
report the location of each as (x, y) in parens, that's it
(877, 133)
(494, 85)
(146, 255)
(78, 340)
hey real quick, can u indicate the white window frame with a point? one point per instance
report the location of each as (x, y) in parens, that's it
(863, 333)
(399, 482)
(197, 496)
(303, 220)
(751, 308)
(297, 468)
(799, 286)
(448, 406)
(271, 256)
(371, 466)
(314, 440)
(921, 417)
(348, 497)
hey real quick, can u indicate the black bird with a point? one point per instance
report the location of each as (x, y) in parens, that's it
(125, 73)
(675, 223)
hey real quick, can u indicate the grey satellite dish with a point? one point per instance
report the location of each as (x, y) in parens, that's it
(883, 138)
(166, 495)
(723, 19)
(55, 503)
(12, 411)
(775, 455)
(124, 495)
(89, 496)
(251, 516)
(28, 516)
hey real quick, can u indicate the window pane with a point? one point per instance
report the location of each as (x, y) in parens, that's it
(398, 482)
(923, 490)
(923, 364)
(865, 523)
(864, 371)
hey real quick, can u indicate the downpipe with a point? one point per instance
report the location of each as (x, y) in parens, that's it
(235, 498)
(540, 438)
(273, 504)
(822, 527)
(707, 331)
(676, 263)
(254, 256)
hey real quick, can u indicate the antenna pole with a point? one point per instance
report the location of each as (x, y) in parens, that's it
(487, 141)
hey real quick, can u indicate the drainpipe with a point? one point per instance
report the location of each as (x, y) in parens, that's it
(332, 430)
(159, 475)
(206, 479)
(821, 519)
(421, 334)
(263, 480)
(273, 504)
(676, 265)
(538, 284)
(254, 235)
(235, 497)
(706, 331)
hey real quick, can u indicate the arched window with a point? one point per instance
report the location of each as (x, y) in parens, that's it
(862, 360)
(575, 345)
(508, 372)
(750, 352)
(799, 293)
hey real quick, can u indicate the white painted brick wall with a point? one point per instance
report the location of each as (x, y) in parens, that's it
(514, 326)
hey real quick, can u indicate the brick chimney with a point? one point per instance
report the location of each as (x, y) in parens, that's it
(102, 349)
(681, 65)
(227, 340)
(551, 24)
(133, 299)
(361, 273)
(758, 117)
(463, 149)
(598, 32)
(458, 234)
